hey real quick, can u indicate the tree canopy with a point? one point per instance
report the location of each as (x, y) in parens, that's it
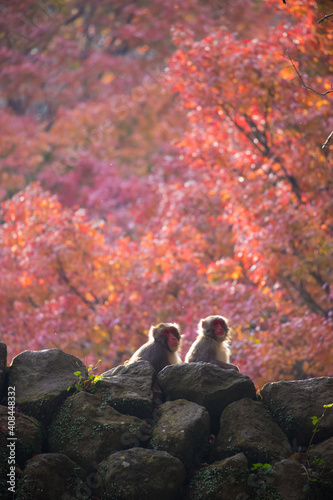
(164, 161)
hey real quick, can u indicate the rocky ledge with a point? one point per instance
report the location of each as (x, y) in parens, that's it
(193, 432)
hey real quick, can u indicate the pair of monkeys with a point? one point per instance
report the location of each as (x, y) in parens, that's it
(210, 346)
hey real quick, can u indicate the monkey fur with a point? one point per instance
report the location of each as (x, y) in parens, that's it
(161, 348)
(212, 343)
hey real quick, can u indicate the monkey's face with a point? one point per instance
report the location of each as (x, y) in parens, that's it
(172, 338)
(220, 328)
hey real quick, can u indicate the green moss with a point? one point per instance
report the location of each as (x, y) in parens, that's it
(27, 489)
(285, 420)
(267, 492)
(207, 482)
(64, 429)
(126, 406)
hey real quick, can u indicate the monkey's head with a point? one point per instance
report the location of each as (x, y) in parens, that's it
(167, 334)
(215, 327)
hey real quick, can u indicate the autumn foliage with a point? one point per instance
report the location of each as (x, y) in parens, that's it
(163, 161)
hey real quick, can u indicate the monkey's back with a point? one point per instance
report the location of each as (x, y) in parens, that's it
(200, 349)
(152, 352)
(207, 349)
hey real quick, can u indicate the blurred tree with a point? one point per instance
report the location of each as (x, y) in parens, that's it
(258, 134)
(184, 158)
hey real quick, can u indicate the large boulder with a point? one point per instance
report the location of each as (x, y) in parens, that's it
(88, 430)
(28, 433)
(182, 429)
(3, 356)
(41, 380)
(5, 469)
(293, 403)
(51, 476)
(141, 474)
(3, 365)
(128, 389)
(247, 427)
(320, 459)
(286, 480)
(223, 480)
(205, 384)
(289, 480)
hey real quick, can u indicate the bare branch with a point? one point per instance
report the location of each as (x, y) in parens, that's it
(64, 277)
(32, 302)
(261, 144)
(328, 140)
(304, 84)
(325, 17)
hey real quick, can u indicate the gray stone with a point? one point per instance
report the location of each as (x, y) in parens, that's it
(41, 380)
(88, 430)
(320, 458)
(289, 479)
(3, 371)
(293, 403)
(247, 427)
(223, 480)
(205, 384)
(141, 474)
(182, 429)
(3, 356)
(4, 469)
(128, 389)
(28, 432)
(51, 476)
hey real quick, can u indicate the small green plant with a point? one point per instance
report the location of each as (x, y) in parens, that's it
(316, 421)
(86, 383)
(265, 468)
(260, 481)
(314, 469)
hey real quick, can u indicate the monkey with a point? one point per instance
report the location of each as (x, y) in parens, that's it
(212, 343)
(161, 348)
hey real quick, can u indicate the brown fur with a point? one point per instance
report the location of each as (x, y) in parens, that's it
(210, 348)
(157, 350)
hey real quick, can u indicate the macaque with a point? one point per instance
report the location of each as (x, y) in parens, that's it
(212, 343)
(161, 349)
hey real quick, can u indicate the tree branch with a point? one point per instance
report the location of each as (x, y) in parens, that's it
(328, 140)
(261, 144)
(32, 302)
(306, 297)
(64, 277)
(304, 84)
(325, 17)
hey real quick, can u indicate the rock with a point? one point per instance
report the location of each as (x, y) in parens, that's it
(4, 469)
(28, 432)
(41, 379)
(205, 384)
(51, 476)
(88, 430)
(128, 389)
(182, 429)
(294, 402)
(3, 385)
(289, 479)
(320, 459)
(3, 371)
(247, 427)
(84, 429)
(223, 480)
(3, 356)
(141, 474)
